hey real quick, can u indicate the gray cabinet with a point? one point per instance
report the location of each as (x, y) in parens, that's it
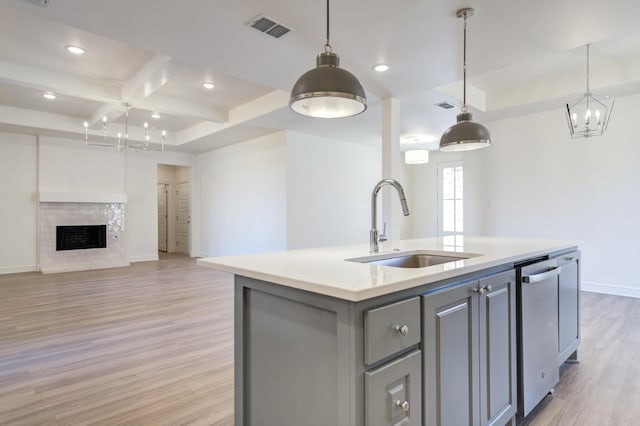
(390, 329)
(450, 327)
(498, 353)
(568, 307)
(393, 390)
(469, 350)
(393, 393)
(438, 354)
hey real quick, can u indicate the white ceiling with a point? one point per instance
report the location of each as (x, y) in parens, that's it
(522, 57)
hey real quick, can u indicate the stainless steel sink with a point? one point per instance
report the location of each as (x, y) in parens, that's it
(413, 260)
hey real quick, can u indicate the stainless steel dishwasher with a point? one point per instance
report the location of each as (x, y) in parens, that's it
(537, 294)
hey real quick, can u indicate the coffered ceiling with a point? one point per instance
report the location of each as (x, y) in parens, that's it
(523, 57)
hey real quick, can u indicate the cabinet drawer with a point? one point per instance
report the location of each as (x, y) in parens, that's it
(393, 393)
(390, 329)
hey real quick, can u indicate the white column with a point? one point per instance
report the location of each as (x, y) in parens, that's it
(398, 226)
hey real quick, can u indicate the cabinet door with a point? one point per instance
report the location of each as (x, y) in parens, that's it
(393, 393)
(498, 358)
(568, 306)
(390, 329)
(450, 362)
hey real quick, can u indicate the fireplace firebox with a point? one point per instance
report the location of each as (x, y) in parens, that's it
(80, 237)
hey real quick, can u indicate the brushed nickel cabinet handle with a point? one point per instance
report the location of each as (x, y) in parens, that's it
(479, 290)
(402, 329)
(530, 279)
(403, 405)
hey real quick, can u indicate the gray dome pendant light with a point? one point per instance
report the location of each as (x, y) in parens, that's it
(328, 91)
(465, 135)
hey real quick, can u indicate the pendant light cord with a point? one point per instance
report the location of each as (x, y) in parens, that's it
(464, 66)
(327, 45)
(588, 91)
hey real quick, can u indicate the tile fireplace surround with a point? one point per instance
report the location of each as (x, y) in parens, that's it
(54, 214)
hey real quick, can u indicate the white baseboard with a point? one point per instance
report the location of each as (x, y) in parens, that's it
(614, 290)
(83, 267)
(17, 269)
(135, 259)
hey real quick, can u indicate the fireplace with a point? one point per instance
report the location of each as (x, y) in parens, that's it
(80, 237)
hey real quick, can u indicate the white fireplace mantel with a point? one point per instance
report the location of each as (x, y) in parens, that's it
(81, 197)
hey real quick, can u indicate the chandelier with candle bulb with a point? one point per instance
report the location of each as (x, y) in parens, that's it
(589, 115)
(121, 141)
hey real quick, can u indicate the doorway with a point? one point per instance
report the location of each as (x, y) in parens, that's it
(174, 209)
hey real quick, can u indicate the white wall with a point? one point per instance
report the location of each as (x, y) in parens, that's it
(141, 211)
(329, 185)
(542, 184)
(288, 190)
(243, 200)
(64, 165)
(18, 192)
(424, 195)
(71, 166)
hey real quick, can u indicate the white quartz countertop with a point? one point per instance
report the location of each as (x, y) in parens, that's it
(326, 271)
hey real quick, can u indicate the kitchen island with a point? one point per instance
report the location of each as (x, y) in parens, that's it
(336, 336)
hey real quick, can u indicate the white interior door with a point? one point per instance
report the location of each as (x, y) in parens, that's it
(162, 216)
(183, 225)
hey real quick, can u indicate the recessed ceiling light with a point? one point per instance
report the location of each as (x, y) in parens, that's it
(381, 67)
(76, 50)
(49, 95)
(208, 85)
(155, 115)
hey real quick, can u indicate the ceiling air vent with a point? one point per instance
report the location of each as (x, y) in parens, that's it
(269, 26)
(445, 105)
(43, 3)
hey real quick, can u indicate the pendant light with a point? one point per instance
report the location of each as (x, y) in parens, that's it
(328, 91)
(415, 154)
(465, 135)
(589, 115)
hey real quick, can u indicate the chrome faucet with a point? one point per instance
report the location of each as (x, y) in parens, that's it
(374, 238)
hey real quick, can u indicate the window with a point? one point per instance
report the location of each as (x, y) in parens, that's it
(450, 199)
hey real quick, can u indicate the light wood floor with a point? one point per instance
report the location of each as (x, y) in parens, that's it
(153, 345)
(147, 345)
(604, 388)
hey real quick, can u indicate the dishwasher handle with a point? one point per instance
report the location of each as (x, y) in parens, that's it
(530, 279)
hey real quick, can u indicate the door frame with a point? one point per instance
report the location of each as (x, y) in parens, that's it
(167, 189)
(177, 214)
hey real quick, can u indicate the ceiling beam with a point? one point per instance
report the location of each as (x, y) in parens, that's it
(238, 116)
(110, 94)
(152, 76)
(149, 78)
(58, 82)
(171, 105)
(39, 119)
(64, 125)
(110, 110)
